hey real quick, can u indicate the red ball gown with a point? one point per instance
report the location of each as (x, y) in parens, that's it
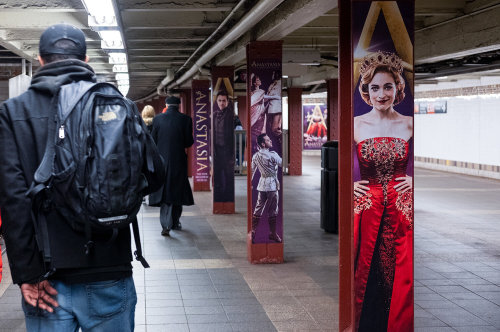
(316, 129)
(383, 239)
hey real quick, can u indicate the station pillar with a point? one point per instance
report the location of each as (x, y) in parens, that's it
(223, 139)
(295, 130)
(376, 47)
(200, 105)
(264, 150)
(332, 89)
(185, 96)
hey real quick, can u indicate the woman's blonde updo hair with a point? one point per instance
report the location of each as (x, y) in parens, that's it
(381, 62)
(148, 113)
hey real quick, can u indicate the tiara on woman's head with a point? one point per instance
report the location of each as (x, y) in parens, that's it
(381, 58)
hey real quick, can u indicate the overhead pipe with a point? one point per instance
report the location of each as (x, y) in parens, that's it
(257, 13)
(228, 17)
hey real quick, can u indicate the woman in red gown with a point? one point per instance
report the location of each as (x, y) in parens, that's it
(383, 209)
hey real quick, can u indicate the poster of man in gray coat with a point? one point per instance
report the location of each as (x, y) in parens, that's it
(173, 134)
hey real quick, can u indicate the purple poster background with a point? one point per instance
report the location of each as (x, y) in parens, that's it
(201, 108)
(263, 111)
(315, 126)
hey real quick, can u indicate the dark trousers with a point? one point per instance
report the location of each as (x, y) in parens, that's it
(170, 215)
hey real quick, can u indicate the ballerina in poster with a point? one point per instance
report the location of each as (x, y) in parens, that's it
(383, 207)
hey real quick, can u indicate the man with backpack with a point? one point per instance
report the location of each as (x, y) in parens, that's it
(71, 257)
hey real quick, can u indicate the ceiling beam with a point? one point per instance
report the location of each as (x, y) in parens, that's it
(469, 34)
(35, 21)
(165, 40)
(178, 6)
(174, 27)
(286, 18)
(314, 75)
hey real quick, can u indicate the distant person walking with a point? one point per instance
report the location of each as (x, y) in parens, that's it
(173, 133)
(147, 114)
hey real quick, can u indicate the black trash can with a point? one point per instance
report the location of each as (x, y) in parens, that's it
(330, 187)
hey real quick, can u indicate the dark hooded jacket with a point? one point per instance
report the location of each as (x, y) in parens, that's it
(23, 136)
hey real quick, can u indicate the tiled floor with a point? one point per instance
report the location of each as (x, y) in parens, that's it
(200, 280)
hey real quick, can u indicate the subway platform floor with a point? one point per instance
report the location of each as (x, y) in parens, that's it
(200, 279)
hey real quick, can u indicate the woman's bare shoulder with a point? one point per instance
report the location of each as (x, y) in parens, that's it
(362, 118)
(408, 120)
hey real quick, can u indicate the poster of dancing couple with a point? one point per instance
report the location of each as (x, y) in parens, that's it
(264, 84)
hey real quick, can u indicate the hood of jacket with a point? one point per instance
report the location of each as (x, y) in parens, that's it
(50, 77)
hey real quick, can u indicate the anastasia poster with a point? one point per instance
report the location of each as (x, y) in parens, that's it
(223, 139)
(266, 166)
(314, 126)
(383, 158)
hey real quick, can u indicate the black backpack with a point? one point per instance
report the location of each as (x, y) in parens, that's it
(93, 169)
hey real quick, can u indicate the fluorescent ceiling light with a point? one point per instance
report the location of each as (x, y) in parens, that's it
(120, 69)
(111, 39)
(123, 89)
(102, 12)
(118, 58)
(102, 22)
(121, 76)
(442, 77)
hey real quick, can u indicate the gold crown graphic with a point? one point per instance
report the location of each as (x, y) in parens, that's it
(381, 58)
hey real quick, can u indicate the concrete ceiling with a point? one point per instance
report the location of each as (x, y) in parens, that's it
(164, 39)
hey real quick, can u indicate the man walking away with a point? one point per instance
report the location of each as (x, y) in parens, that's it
(173, 134)
(74, 289)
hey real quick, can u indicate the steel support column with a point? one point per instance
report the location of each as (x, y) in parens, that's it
(295, 130)
(332, 87)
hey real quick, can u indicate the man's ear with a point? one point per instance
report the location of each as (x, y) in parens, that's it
(87, 58)
(42, 63)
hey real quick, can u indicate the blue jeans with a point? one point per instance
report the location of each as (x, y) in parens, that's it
(97, 306)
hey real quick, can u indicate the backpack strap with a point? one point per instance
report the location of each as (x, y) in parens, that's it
(137, 239)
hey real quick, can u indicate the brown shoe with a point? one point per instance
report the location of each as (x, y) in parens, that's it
(165, 232)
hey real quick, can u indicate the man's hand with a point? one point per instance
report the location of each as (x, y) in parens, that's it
(42, 292)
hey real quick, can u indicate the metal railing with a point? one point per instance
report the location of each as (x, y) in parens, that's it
(240, 164)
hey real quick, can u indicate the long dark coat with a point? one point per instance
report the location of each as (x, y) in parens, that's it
(173, 133)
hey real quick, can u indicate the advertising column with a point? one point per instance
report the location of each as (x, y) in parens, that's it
(223, 120)
(382, 96)
(200, 101)
(265, 171)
